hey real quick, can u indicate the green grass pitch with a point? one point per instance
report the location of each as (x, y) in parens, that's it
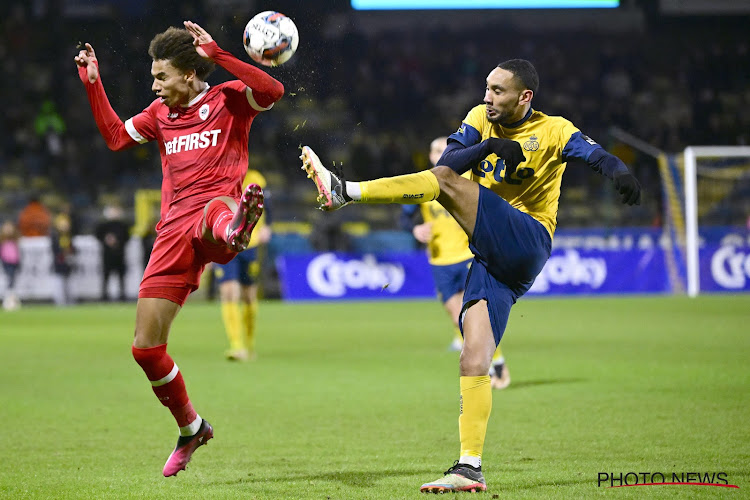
(360, 401)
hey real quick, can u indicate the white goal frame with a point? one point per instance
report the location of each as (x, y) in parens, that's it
(692, 243)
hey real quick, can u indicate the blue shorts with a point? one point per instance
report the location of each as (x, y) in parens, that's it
(510, 249)
(243, 268)
(450, 279)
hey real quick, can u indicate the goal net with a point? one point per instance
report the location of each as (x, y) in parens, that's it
(717, 218)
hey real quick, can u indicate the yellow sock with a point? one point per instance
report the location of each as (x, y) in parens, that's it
(230, 313)
(476, 405)
(498, 356)
(249, 312)
(410, 189)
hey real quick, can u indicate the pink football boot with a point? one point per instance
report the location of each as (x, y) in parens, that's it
(186, 445)
(248, 212)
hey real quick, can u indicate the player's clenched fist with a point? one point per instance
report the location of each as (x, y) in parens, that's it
(88, 66)
(510, 151)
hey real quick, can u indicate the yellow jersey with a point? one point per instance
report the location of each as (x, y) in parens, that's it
(255, 177)
(449, 243)
(534, 188)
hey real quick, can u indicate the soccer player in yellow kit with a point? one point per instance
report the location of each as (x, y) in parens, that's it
(237, 280)
(450, 257)
(508, 209)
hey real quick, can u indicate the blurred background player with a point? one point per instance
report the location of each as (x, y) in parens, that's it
(450, 258)
(202, 133)
(509, 214)
(10, 259)
(63, 259)
(237, 281)
(34, 220)
(113, 233)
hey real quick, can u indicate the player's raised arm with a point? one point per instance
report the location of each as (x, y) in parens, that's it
(88, 65)
(109, 124)
(266, 90)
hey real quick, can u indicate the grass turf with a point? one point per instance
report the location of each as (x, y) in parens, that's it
(360, 400)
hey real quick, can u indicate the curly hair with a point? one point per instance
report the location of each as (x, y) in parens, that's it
(176, 46)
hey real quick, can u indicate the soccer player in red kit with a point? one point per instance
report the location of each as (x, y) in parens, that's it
(202, 135)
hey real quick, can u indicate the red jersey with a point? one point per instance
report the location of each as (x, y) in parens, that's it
(203, 147)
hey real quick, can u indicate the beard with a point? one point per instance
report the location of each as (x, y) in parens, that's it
(499, 117)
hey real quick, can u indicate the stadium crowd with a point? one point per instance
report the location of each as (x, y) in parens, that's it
(370, 101)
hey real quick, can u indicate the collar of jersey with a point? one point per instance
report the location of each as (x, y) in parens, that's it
(199, 96)
(519, 122)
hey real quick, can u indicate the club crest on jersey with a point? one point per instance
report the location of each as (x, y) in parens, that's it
(532, 144)
(203, 112)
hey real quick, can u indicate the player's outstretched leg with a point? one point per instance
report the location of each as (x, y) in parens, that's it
(460, 477)
(248, 212)
(186, 445)
(330, 187)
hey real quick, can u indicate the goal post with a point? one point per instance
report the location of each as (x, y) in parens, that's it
(692, 155)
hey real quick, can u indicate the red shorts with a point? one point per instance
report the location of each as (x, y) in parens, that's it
(177, 261)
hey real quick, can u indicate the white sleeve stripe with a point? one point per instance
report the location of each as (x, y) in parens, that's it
(133, 132)
(165, 380)
(253, 104)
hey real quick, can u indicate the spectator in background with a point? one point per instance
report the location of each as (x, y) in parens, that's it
(50, 126)
(34, 219)
(113, 235)
(63, 255)
(10, 258)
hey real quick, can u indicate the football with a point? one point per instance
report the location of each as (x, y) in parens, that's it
(270, 38)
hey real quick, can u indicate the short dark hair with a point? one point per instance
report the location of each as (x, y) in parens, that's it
(176, 46)
(524, 71)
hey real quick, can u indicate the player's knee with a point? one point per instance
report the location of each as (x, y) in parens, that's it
(229, 291)
(144, 340)
(448, 181)
(473, 364)
(445, 175)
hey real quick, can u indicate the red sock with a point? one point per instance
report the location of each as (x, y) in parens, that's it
(218, 217)
(167, 382)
